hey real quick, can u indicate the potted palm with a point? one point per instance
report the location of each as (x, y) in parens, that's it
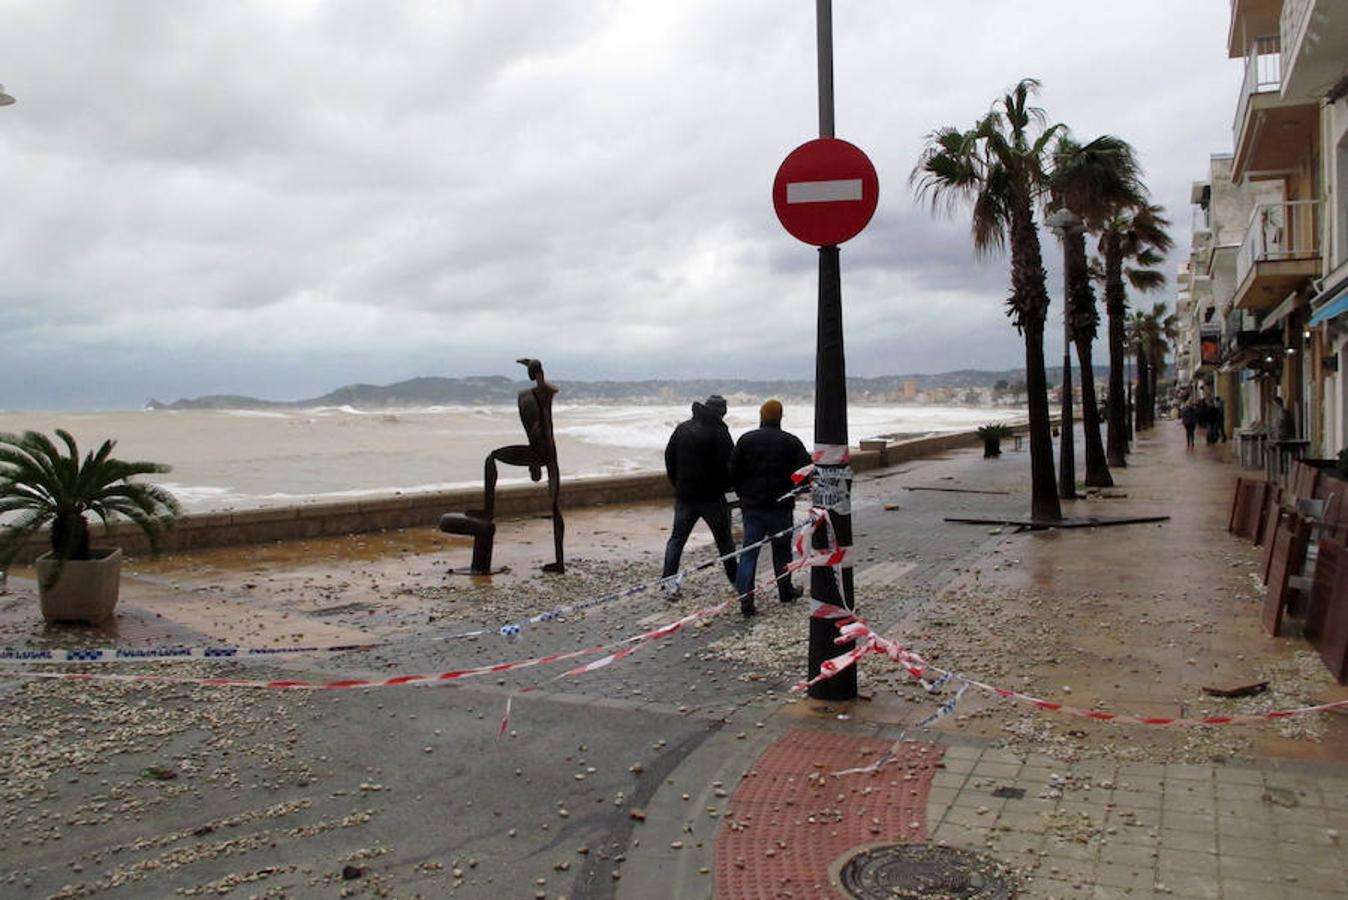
(991, 435)
(41, 485)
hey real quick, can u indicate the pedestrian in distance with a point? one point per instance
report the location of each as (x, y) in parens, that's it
(1219, 411)
(697, 461)
(761, 469)
(1212, 421)
(1285, 424)
(1189, 416)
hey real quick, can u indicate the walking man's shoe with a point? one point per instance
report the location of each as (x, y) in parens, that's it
(747, 606)
(791, 592)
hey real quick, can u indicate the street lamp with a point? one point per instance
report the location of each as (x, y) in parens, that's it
(1066, 224)
(5, 100)
(830, 410)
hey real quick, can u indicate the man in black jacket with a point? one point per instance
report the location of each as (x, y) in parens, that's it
(760, 470)
(697, 461)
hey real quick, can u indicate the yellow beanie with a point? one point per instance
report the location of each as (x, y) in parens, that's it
(771, 411)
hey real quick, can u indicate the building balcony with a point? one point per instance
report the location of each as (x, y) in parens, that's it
(1271, 131)
(1250, 18)
(1281, 251)
(1314, 39)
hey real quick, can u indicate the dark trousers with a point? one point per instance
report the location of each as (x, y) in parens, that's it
(686, 513)
(758, 524)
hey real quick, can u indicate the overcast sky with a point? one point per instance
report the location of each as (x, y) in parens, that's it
(278, 198)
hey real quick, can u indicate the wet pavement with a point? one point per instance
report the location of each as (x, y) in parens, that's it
(125, 789)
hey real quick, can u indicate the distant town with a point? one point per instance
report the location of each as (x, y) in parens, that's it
(966, 387)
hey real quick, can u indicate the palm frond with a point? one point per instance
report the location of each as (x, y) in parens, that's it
(46, 485)
(15, 534)
(1145, 279)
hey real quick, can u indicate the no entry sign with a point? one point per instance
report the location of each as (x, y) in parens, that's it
(825, 191)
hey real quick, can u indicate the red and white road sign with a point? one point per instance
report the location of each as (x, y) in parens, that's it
(825, 191)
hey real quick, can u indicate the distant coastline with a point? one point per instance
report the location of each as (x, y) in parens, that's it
(485, 390)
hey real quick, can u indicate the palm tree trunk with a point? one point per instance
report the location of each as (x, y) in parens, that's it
(1097, 466)
(1156, 363)
(1044, 505)
(1115, 308)
(1084, 323)
(1029, 309)
(1143, 392)
(70, 536)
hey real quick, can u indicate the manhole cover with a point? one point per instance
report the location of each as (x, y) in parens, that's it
(925, 872)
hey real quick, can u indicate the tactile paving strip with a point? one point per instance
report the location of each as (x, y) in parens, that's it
(789, 819)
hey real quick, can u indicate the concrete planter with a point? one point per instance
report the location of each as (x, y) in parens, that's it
(87, 589)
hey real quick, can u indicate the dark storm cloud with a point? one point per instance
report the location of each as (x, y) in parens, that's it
(279, 197)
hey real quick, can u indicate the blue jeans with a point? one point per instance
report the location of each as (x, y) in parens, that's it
(686, 513)
(758, 524)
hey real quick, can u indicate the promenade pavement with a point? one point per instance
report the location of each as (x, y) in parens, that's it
(689, 769)
(1132, 619)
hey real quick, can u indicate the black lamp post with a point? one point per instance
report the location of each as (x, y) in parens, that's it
(830, 412)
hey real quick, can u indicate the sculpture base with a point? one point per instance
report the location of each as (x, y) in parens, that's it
(483, 532)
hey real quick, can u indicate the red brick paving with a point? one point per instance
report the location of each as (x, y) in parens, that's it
(789, 820)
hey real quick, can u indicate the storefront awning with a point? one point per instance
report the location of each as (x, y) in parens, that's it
(1284, 309)
(1330, 303)
(1333, 309)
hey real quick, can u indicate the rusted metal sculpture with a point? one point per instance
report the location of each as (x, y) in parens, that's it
(539, 455)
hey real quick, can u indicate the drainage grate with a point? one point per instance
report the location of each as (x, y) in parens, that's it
(924, 872)
(1010, 793)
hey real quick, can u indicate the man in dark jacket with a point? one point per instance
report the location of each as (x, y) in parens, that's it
(760, 470)
(697, 460)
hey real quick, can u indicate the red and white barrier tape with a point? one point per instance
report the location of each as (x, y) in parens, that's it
(87, 655)
(648, 637)
(823, 455)
(868, 642)
(341, 684)
(830, 555)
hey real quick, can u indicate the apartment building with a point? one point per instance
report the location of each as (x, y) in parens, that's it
(1264, 293)
(1222, 351)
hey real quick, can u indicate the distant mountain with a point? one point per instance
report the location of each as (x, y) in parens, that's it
(494, 389)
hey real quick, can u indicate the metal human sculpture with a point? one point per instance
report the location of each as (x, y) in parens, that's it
(539, 455)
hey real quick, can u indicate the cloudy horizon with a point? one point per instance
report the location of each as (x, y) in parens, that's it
(280, 198)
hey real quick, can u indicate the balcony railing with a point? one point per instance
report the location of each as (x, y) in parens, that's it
(1263, 74)
(1202, 219)
(1280, 231)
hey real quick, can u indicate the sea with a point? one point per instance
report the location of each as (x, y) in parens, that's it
(247, 459)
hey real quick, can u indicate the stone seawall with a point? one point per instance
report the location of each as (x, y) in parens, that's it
(315, 520)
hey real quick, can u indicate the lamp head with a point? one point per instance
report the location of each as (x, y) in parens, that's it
(5, 99)
(1063, 221)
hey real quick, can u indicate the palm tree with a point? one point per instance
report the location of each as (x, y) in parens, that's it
(41, 484)
(998, 167)
(1137, 232)
(1135, 342)
(1156, 331)
(1092, 180)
